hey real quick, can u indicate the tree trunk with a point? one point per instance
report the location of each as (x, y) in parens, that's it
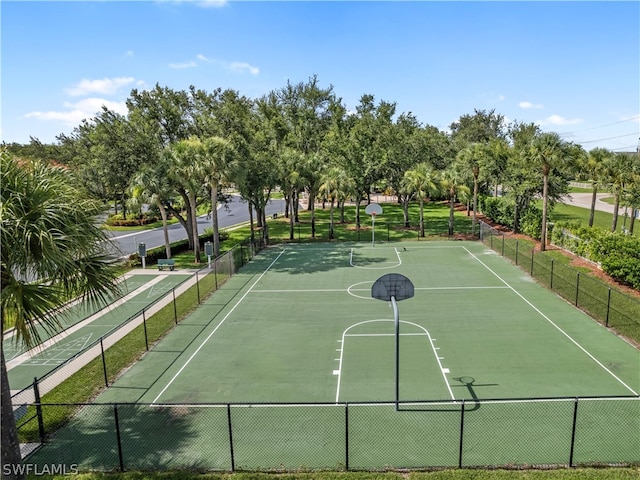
(194, 228)
(331, 235)
(214, 219)
(292, 216)
(165, 229)
(253, 236)
(11, 457)
(404, 200)
(312, 203)
(475, 205)
(593, 205)
(421, 216)
(545, 203)
(616, 207)
(452, 202)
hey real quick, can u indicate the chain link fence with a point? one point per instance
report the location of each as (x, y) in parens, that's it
(142, 328)
(363, 436)
(609, 306)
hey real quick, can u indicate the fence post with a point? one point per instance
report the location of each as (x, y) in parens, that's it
(215, 272)
(241, 256)
(608, 307)
(233, 461)
(502, 252)
(346, 436)
(119, 440)
(573, 431)
(551, 280)
(36, 396)
(175, 307)
(198, 287)
(516, 253)
(533, 251)
(104, 364)
(577, 286)
(461, 434)
(144, 325)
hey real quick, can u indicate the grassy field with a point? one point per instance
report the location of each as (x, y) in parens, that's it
(564, 474)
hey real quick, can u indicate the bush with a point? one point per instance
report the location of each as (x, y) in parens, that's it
(132, 220)
(617, 254)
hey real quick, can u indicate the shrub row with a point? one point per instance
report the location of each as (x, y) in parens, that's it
(501, 210)
(617, 254)
(117, 220)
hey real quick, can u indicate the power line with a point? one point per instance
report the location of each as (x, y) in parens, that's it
(610, 138)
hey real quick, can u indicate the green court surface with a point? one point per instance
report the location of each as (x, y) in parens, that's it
(146, 289)
(483, 348)
(298, 324)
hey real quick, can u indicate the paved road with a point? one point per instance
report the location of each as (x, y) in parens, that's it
(233, 213)
(584, 200)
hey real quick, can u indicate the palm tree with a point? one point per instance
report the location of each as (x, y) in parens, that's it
(185, 170)
(52, 250)
(617, 171)
(215, 155)
(472, 157)
(157, 190)
(335, 184)
(591, 168)
(453, 183)
(548, 151)
(421, 181)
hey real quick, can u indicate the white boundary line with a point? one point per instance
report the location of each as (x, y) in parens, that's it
(41, 348)
(217, 326)
(552, 323)
(433, 347)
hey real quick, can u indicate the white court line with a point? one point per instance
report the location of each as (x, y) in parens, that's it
(37, 350)
(555, 325)
(217, 326)
(443, 370)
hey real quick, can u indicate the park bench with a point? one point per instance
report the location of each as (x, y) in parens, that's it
(163, 262)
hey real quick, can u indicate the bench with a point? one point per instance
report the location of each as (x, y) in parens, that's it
(163, 262)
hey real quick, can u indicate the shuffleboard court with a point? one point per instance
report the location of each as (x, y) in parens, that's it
(298, 324)
(76, 312)
(145, 289)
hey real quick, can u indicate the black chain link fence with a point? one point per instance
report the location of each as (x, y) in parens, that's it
(609, 306)
(142, 328)
(363, 436)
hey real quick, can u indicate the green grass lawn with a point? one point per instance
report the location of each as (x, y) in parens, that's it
(566, 213)
(448, 474)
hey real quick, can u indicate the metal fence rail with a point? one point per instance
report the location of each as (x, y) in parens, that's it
(608, 306)
(205, 280)
(329, 436)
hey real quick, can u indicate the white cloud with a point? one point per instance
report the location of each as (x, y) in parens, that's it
(242, 67)
(76, 112)
(529, 105)
(211, 3)
(197, 3)
(129, 53)
(181, 66)
(105, 86)
(559, 120)
(202, 58)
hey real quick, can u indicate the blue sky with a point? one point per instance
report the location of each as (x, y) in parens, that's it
(572, 67)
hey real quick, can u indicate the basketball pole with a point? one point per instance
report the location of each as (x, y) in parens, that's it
(396, 318)
(373, 229)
